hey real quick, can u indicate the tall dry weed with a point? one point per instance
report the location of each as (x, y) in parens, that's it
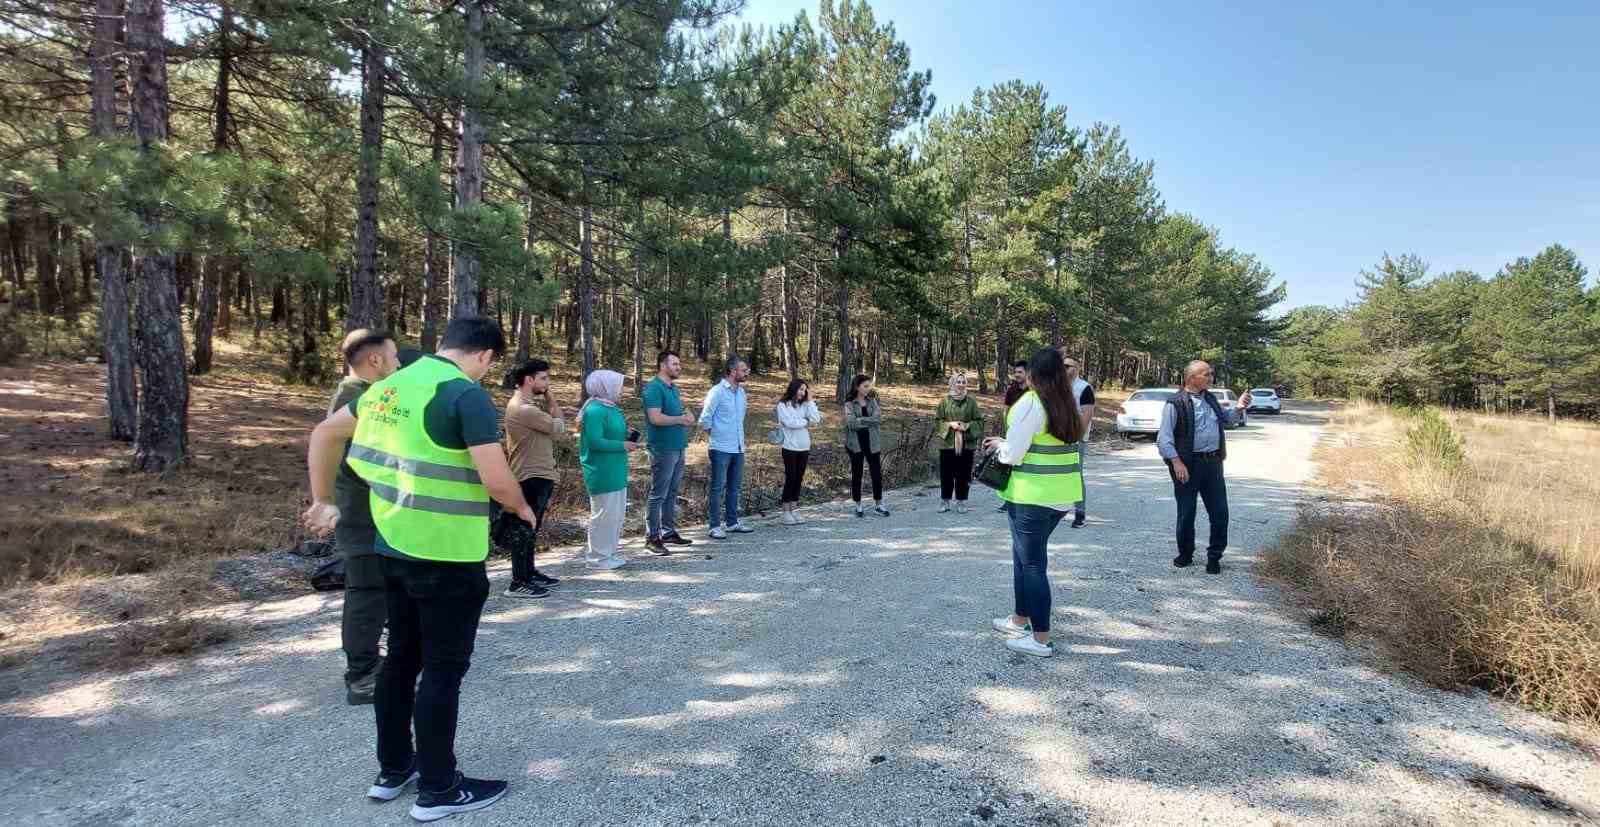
(1478, 569)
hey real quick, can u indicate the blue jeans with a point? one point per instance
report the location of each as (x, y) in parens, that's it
(722, 498)
(1030, 535)
(666, 477)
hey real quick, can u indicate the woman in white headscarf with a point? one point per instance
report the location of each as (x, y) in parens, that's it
(603, 447)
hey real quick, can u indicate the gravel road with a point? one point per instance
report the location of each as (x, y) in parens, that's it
(841, 672)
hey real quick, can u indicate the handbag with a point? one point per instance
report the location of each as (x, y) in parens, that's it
(992, 472)
(775, 435)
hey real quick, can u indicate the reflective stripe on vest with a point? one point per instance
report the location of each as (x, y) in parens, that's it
(1051, 472)
(427, 500)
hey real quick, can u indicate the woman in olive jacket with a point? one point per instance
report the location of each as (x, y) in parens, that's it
(862, 416)
(959, 429)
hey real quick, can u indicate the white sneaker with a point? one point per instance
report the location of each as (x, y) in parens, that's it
(741, 528)
(961, 508)
(944, 505)
(1028, 646)
(718, 534)
(1004, 626)
(790, 519)
(607, 564)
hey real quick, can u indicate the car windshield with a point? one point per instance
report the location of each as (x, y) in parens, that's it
(1226, 396)
(1263, 392)
(1150, 396)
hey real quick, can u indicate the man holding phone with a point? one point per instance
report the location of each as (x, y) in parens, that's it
(666, 428)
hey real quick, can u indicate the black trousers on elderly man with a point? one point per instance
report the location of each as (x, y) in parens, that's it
(1206, 484)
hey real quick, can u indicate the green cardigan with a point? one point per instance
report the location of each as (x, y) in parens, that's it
(861, 414)
(964, 411)
(601, 451)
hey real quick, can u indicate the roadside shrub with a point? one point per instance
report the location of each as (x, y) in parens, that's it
(1430, 441)
(13, 342)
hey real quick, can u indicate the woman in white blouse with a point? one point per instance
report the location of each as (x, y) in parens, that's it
(797, 415)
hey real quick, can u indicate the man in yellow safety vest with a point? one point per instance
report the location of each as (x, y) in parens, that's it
(426, 443)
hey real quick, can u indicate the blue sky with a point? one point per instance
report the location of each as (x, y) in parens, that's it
(1314, 137)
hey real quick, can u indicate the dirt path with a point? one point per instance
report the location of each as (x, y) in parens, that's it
(839, 672)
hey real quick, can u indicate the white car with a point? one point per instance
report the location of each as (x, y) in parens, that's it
(1265, 400)
(1233, 416)
(1141, 413)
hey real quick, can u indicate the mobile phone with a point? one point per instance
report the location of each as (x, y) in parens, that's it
(633, 436)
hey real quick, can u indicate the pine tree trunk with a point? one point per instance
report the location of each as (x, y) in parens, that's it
(586, 276)
(162, 439)
(205, 313)
(786, 317)
(841, 248)
(47, 235)
(469, 167)
(972, 301)
(365, 296)
(115, 336)
(434, 267)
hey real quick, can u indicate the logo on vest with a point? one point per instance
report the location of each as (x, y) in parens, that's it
(385, 409)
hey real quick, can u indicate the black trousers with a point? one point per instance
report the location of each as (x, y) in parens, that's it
(1205, 482)
(876, 463)
(433, 623)
(537, 491)
(794, 473)
(365, 610)
(955, 473)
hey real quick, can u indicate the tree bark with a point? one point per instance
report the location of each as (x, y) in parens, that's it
(435, 273)
(365, 296)
(205, 310)
(586, 276)
(972, 301)
(469, 168)
(841, 247)
(116, 340)
(161, 442)
(786, 317)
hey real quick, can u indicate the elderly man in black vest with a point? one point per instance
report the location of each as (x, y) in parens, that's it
(1194, 446)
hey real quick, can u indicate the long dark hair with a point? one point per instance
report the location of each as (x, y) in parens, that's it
(1048, 375)
(792, 395)
(855, 387)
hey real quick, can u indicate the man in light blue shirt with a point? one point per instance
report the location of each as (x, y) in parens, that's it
(1193, 444)
(723, 417)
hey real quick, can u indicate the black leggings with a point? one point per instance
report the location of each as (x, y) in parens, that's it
(794, 471)
(955, 472)
(876, 464)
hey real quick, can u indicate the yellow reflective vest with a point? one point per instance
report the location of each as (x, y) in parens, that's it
(1051, 472)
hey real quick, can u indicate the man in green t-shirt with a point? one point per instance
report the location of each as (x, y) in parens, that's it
(666, 429)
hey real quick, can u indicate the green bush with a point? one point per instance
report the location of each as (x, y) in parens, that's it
(1431, 441)
(13, 342)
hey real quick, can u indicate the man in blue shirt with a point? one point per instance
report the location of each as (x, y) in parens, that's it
(1194, 447)
(723, 416)
(666, 433)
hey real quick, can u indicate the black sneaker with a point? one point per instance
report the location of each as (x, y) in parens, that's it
(466, 795)
(527, 591)
(1213, 567)
(390, 785)
(542, 579)
(1077, 522)
(655, 546)
(1183, 561)
(676, 539)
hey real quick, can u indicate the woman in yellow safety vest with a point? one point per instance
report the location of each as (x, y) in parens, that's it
(1041, 446)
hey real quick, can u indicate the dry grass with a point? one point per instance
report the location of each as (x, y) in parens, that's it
(1486, 574)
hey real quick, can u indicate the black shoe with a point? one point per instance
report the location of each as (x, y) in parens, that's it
(390, 785)
(1077, 522)
(676, 539)
(1213, 567)
(1183, 561)
(656, 547)
(542, 579)
(527, 591)
(466, 795)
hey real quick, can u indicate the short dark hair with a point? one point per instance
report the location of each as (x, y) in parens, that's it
(473, 334)
(664, 356)
(733, 363)
(357, 341)
(1022, 364)
(519, 374)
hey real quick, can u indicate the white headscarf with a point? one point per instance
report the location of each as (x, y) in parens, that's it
(954, 394)
(603, 386)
